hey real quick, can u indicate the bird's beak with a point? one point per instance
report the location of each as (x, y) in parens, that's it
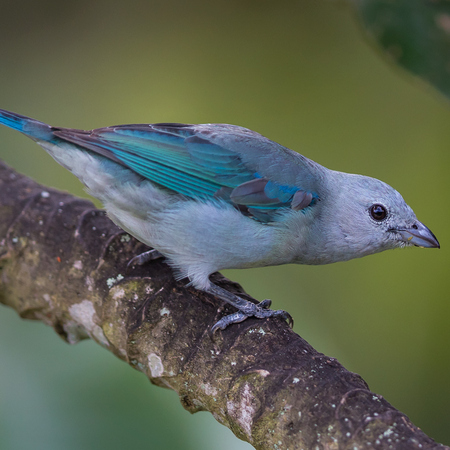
(419, 235)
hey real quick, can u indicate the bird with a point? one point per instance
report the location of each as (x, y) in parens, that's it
(209, 197)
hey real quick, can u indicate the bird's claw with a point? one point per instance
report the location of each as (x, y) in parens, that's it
(145, 257)
(265, 303)
(260, 311)
(228, 320)
(265, 313)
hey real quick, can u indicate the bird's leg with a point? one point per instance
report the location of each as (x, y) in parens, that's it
(246, 309)
(142, 258)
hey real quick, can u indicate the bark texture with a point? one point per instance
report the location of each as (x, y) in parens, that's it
(65, 263)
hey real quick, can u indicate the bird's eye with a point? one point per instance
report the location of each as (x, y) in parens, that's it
(378, 212)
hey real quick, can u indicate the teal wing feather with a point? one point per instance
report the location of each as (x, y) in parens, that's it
(178, 158)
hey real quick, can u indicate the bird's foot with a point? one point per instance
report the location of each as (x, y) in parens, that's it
(145, 257)
(245, 309)
(260, 313)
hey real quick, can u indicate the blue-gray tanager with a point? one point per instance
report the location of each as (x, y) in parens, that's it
(215, 196)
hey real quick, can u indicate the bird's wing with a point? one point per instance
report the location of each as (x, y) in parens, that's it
(208, 161)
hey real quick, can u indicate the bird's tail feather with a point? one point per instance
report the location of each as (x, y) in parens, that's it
(30, 127)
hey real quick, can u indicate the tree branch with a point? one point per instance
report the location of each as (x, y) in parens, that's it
(64, 262)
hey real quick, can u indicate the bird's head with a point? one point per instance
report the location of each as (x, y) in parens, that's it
(370, 216)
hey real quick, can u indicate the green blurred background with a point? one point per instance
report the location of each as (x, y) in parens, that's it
(301, 73)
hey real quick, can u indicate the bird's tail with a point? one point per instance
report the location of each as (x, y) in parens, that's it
(32, 128)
